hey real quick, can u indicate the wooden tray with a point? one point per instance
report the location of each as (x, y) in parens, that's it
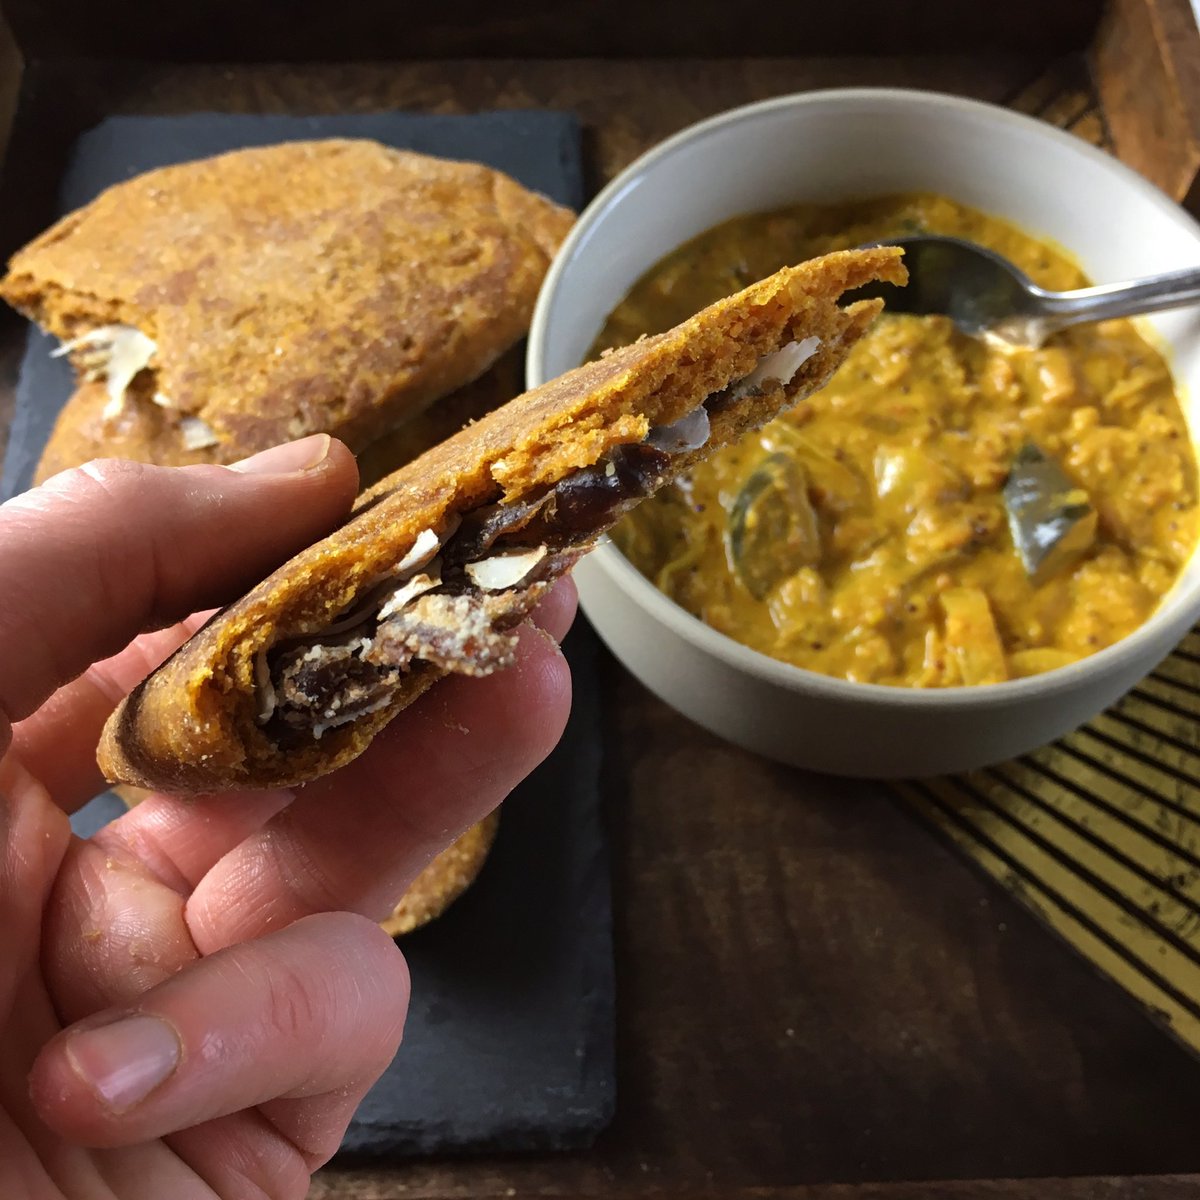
(816, 997)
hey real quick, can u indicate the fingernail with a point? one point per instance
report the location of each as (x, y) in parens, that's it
(125, 1061)
(288, 459)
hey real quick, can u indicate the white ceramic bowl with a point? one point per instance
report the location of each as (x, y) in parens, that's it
(822, 147)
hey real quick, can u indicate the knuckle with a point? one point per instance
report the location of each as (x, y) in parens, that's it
(354, 947)
(111, 478)
(301, 874)
(294, 1008)
(256, 1159)
(387, 963)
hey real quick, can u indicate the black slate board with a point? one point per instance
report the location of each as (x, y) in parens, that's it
(538, 149)
(509, 1041)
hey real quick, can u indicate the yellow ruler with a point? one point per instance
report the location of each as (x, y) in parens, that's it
(1099, 834)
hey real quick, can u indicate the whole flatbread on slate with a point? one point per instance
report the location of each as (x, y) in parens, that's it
(225, 305)
(442, 559)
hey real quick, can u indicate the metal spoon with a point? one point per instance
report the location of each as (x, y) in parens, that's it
(986, 296)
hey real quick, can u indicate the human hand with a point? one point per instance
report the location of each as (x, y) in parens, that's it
(193, 1002)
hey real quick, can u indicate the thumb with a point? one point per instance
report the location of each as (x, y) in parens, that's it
(298, 1023)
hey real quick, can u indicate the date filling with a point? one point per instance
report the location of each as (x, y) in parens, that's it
(450, 602)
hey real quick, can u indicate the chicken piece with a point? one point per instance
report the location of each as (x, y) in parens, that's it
(972, 637)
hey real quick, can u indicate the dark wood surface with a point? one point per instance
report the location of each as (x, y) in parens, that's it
(1146, 59)
(10, 78)
(297, 30)
(816, 998)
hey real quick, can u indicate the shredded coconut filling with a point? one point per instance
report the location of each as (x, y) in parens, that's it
(118, 354)
(114, 353)
(197, 434)
(690, 432)
(266, 689)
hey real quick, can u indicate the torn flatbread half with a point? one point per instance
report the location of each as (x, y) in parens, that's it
(443, 559)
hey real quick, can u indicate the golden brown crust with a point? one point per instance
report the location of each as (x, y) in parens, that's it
(335, 286)
(444, 879)
(143, 432)
(443, 419)
(192, 725)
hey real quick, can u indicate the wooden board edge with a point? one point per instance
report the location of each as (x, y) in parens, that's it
(1146, 65)
(387, 1185)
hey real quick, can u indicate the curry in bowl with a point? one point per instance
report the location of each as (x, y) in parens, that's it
(946, 511)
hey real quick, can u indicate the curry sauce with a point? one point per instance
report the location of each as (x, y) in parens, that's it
(865, 534)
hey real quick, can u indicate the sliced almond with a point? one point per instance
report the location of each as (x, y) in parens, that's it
(197, 434)
(408, 590)
(503, 571)
(423, 549)
(781, 366)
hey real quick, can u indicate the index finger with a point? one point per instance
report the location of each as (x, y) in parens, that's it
(57, 744)
(98, 554)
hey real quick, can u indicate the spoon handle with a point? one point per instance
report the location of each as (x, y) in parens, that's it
(1153, 294)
